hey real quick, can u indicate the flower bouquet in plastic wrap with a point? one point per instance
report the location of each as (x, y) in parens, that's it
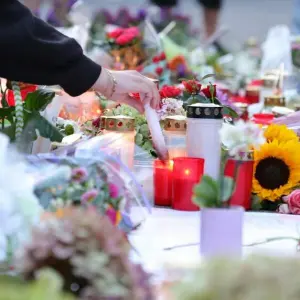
(96, 178)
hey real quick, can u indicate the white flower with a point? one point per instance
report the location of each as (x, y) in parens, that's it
(170, 107)
(20, 209)
(241, 137)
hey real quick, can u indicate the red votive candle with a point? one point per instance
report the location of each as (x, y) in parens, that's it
(263, 119)
(163, 182)
(187, 172)
(243, 182)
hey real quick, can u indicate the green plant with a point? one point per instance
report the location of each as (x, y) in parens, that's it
(256, 278)
(22, 121)
(213, 193)
(47, 286)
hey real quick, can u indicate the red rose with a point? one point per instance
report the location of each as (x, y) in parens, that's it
(96, 123)
(10, 95)
(207, 91)
(169, 92)
(192, 86)
(293, 201)
(115, 33)
(124, 39)
(132, 31)
(159, 71)
(156, 59)
(162, 56)
(136, 96)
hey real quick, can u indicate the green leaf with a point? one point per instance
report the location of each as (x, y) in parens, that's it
(6, 112)
(197, 99)
(227, 188)
(230, 112)
(38, 100)
(3, 100)
(206, 193)
(207, 76)
(45, 128)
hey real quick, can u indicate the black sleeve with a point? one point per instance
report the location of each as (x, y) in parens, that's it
(212, 4)
(32, 51)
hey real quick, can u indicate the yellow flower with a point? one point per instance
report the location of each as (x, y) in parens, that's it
(280, 133)
(276, 169)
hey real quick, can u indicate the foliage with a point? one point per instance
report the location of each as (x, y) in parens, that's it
(47, 286)
(213, 193)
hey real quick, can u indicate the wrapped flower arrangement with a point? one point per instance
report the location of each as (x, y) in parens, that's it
(89, 253)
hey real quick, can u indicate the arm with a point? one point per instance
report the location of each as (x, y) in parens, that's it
(34, 52)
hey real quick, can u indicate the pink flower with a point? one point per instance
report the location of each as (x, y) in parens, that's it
(79, 175)
(89, 196)
(115, 33)
(293, 202)
(132, 31)
(113, 190)
(125, 38)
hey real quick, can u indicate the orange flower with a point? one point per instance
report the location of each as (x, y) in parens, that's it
(176, 62)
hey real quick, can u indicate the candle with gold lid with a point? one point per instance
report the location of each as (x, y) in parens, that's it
(123, 128)
(269, 84)
(175, 136)
(272, 101)
(252, 94)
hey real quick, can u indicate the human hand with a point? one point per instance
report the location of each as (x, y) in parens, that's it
(128, 82)
(290, 120)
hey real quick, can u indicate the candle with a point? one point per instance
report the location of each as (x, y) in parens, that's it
(243, 107)
(175, 136)
(243, 168)
(162, 181)
(262, 119)
(187, 172)
(204, 121)
(272, 101)
(267, 89)
(124, 134)
(252, 94)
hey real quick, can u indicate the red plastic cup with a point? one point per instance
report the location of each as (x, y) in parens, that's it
(187, 172)
(162, 181)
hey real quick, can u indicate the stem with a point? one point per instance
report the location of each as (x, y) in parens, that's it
(266, 241)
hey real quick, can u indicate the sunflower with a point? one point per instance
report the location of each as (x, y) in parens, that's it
(280, 133)
(276, 169)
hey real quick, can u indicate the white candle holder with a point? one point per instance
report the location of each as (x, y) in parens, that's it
(175, 136)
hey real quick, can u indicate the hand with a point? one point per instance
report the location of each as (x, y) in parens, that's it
(290, 120)
(128, 82)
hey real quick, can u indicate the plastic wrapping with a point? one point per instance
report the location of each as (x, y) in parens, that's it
(277, 50)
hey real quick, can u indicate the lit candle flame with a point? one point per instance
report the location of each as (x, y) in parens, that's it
(187, 172)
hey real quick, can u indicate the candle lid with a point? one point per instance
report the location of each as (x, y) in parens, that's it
(275, 100)
(252, 90)
(175, 123)
(204, 111)
(280, 111)
(242, 106)
(119, 123)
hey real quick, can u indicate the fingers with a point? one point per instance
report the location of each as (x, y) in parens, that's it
(138, 105)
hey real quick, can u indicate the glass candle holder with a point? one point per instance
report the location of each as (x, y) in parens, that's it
(241, 169)
(124, 130)
(162, 182)
(252, 94)
(187, 172)
(175, 136)
(272, 101)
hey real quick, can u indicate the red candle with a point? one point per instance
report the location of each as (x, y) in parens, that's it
(243, 182)
(263, 119)
(187, 172)
(163, 182)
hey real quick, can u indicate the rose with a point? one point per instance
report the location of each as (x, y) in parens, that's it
(115, 33)
(96, 122)
(10, 98)
(207, 91)
(124, 39)
(169, 92)
(159, 71)
(293, 201)
(162, 56)
(113, 190)
(156, 59)
(192, 86)
(132, 31)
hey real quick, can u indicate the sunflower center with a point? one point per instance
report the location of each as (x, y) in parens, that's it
(271, 173)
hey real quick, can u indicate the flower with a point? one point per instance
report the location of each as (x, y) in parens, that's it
(169, 91)
(132, 31)
(175, 62)
(156, 59)
(170, 107)
(283, 209)
(208, 91)
(225, 101)
(192, 86)
(293, 202)
(280, 133)
(10, 98)
(96, 123)
(241, 137)
(159, 71)
(115, 33)
(79, 174)
(276, 169)
(162, 56)
(125, 39)
(89, 196)
(113, 190)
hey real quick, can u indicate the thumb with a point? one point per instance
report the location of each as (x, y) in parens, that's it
(137, 104)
